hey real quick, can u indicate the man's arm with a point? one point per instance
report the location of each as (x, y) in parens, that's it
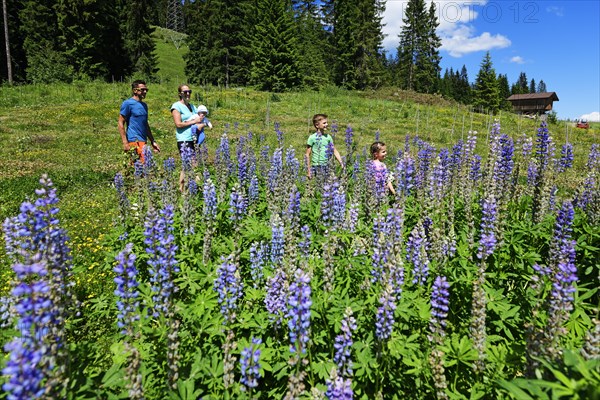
(123, 133)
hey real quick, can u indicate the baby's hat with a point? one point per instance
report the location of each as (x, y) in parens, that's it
(202, 108)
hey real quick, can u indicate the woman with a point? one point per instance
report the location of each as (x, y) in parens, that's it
(185, 116)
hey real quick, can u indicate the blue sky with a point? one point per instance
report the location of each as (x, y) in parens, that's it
(554, 41)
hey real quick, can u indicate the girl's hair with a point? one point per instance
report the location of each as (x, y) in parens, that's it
(375, 147)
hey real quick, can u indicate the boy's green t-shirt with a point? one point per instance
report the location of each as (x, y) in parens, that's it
(319, 143)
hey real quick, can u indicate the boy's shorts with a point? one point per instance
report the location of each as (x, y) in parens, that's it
(139, 149)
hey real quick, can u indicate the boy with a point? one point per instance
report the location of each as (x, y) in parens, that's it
(198, 129)
(317, 146)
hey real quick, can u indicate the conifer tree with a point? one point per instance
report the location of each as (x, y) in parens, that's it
(427, 62)
(487, 91)
(356, 42)
(45, 61)
(90, 38)
(542, 87)
(137, 35)
(463, 91)
(522, 84)
(504, 92)
(276, 62)
(418, 54)
(532, 86)
(17, 54)
(220, 34)
(312, 44)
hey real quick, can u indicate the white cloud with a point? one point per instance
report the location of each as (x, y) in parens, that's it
(592, 117)
(558, 11)
(458, 36)
(517, 60)
(462, 41)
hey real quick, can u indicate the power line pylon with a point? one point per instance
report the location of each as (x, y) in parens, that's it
(175, 21)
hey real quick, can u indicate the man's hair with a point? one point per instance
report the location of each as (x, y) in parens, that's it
(375, 147)
(318, 118)
(137, 83)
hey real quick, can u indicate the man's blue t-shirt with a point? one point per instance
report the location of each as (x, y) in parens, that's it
(136, 116)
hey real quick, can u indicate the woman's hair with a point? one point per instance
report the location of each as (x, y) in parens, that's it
(375, 147)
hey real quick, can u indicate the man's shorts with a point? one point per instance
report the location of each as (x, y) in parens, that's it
(139, 149)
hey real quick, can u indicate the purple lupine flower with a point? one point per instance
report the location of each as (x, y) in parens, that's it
(279, 134)
(593, 161)
(416, 254)
(377, 135)
(253, 190)
(561, 296)
(334, 128)
(292, 214)
(258, 259)
(338, 206)
(291, 166)
(277, 240)
(440, 177)
(127, 290)
(532, 173)
(161, 250)
(192, 188)
(242, 162)
(457, 155)
(188, 158)
(41, 261)
(169, 165)
(339, 388)
(349, 138)
(381, 251)
(305, 242)
(405, 173)
(7, 312)
(229, 286)
(543, 146)
(24, 370)
(264, 158)
(123, 200)
(149, 162)
(299, 303)
(224, 156)
(275, 171)
(504, 164)
(343, 344)
(327, 203)
(526, 146)
(585, 198)
(487, 243)
(209, 193)
(424, 157)
(475, 168)
(238, 204)
(329, 151)
(276, 298)
(439, 306)
(385, 313)
(250, 365)
(566, 157)
(563, 227)
(352, 219)
(138, 169)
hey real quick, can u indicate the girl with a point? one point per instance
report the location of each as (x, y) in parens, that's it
(378, 154)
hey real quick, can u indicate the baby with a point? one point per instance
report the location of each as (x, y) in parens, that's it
(203, 122)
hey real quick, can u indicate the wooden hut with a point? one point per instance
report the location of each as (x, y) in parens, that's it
(533, 103)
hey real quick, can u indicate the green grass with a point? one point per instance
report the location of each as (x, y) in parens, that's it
(170, 49)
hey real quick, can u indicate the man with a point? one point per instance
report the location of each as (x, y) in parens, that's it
(134, 113)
